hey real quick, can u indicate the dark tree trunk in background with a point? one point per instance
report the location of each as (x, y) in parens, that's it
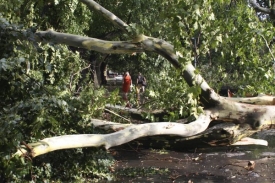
(103, 73)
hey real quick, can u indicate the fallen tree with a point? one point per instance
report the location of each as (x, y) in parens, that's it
(245, 115)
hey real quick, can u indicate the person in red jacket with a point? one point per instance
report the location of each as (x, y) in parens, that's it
(127, 82)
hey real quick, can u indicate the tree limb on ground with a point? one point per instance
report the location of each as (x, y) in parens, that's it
(117, 138)
(253, 117)
(259, 100)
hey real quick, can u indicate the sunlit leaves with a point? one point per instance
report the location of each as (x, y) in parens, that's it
(219, 38)
(3, 64)
(212, 16)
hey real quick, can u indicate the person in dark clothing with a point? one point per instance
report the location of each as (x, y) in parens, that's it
(141, 82)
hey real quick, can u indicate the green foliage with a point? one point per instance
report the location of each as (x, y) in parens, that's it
(76, 165)
(38, 99)
(231, 42)
(41, 104)
(41, 96)
(84, 165)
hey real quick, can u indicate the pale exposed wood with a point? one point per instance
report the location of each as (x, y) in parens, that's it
(102, 46)
(259, 100)
(131, 110)
(251, 141)
(116, 114)
(117, 138)
(108, 125)
(107, 14)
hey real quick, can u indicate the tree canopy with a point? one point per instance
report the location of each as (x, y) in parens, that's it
(229, 42)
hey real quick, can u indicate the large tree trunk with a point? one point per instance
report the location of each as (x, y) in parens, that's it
(238, 118)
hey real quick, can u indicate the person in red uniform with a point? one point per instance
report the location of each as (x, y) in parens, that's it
(127, 81)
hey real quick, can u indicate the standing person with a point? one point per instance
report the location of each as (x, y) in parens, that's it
(127, 81)
(141, 82)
